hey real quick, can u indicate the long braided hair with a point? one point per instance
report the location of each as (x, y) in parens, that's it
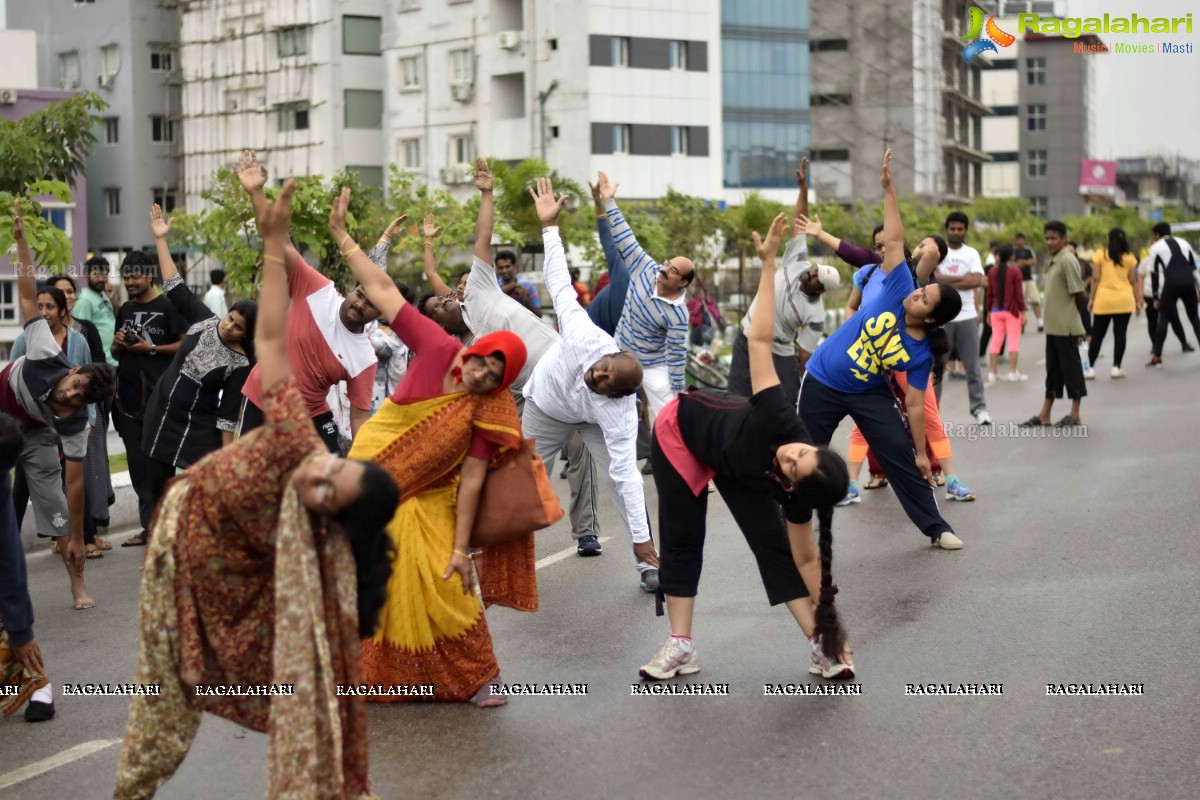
(829, 627)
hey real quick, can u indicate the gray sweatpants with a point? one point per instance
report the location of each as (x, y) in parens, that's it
(964, 336)
(43, 475)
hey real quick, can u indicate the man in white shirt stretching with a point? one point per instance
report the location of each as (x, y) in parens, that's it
(585, 384)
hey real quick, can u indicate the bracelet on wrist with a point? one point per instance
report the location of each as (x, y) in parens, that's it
(468, 556)
(350, 252)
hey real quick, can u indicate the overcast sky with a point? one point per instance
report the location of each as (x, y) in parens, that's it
(1144, 104)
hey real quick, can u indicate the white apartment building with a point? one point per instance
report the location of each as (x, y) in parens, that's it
(300, 81)
(1000, 91)
(632, 88)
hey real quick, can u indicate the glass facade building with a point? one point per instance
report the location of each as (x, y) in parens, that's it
(765, 91)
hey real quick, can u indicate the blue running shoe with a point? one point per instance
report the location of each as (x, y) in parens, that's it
(956, 490)
(851, 495)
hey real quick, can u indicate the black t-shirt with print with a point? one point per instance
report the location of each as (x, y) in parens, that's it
(158, 322)
(738, 438)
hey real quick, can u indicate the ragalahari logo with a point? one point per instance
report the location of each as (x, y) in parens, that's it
(980, 43)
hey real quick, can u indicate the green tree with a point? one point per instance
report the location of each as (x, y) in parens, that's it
(754, 214)
(514, 205)
(692, 227)
(42, 154)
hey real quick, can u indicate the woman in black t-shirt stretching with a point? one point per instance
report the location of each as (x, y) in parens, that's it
(760, 457)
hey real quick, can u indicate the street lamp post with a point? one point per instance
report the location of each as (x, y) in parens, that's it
(542, 98)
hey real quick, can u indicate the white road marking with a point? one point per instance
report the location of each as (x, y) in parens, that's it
(53, 762)
(560, 555)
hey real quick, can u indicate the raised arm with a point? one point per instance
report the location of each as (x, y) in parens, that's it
(612, 257)
(253, 177)
(554, 265)
(802, 189)
(26, 281)
(192, 309)
(852, 254)
(627, 244)
(379, 252)
(380, 289)
(430, 230)
(762, 325)
(270, 336)
(893, 226)
(487, 211)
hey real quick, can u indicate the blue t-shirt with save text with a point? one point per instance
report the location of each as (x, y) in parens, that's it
(855, 358)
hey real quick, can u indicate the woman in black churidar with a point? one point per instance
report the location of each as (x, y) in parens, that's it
(760, 456)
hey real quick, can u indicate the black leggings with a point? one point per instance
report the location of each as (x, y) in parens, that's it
(878, 418)
(326, 427)
(1187, 295)
(1120, 323)
(681, 530)
(1172, 318)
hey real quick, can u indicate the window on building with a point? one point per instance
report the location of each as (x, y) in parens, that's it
(371, 177)
(293, 117)
(162, 130)
(620, 51)
(678, 53)
(68, 70)
(836, 154)
(829, 46)
(364, 109)
(58, 216)
(1006, 157)
(1035, 164)
(110, 60)
(8, 302)
(292, 41)
(1040, 206)
(622, 134)
(360, 35)
(460, 66)
(831, 100)
(112, 130)
(410, 154)
(679, 140)
(462, 149)
(1035, 72)
(1004, 63)
(161, 59)
(1004, 111)
(167, 199)
(1035, 117)
(112, 202)
(410, 74)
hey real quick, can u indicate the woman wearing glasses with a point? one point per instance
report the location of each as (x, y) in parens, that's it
(194, 408)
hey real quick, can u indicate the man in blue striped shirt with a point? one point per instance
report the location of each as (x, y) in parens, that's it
(654, 324)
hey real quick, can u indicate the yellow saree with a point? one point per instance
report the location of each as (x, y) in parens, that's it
(431, 633)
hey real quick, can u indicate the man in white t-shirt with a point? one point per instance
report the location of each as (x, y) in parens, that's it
(963, 269)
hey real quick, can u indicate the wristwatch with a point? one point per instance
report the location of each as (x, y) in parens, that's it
(153, 349)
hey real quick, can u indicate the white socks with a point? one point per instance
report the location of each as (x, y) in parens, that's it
(43, 695)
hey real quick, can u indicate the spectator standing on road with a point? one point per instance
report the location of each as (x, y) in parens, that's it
(98, 304)
(1006, 309)
(761, 458)
(268, 563)
(194, 408)
(214, 298)
(963, 270)
(799, 307)
(1175, 260)
(1064, 298)
(1114, 299)
(523, 292)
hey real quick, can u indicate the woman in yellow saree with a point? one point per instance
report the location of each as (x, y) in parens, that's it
(436, 435)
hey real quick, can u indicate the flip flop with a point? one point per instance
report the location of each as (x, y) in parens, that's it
(93, 551)
(939, 479)
(1034, 422)
(876, 482)
(54, 547)
(136, 541)
(1067, 422)
(103, 544)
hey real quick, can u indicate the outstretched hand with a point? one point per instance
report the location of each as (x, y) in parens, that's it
(809, 226)
(337, 215)
(608, 190)
(430, 228)
(252, 174)
(483, 175)
(277, 218)
(394, 226)
(548, 208)
(886, 179)
(802, 172)
(767, 249)
(18, 225)
(159, 225)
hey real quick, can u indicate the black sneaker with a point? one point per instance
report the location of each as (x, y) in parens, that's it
(1187, 348)
(588, 546)
(37, 711)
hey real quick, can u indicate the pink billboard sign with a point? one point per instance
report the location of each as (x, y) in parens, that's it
(1098, 177)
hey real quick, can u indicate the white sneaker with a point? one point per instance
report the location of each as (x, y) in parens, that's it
(827, 667)
(671, 660)
(948, 541)
(1016, 376)
(1089, 374)
(983, 418)
(991, 378)
(1117, 373)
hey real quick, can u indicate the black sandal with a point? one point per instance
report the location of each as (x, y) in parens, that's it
(135, 541)
(1033, 422)
(1067, 422)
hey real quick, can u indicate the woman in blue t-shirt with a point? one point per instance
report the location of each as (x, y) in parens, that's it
(898, 328)
(760, 457)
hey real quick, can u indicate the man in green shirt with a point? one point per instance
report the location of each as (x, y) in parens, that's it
(98, 304)
(1062, 301)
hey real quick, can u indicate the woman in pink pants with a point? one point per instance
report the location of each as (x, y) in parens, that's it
(1006, 300)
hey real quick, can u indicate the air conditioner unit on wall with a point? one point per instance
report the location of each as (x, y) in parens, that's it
(105, 81)
(466, 173)
(450, 176)
(8, 97)
(510, 39)
(462, 92)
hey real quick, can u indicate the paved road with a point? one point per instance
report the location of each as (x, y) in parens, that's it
(1079, 566)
